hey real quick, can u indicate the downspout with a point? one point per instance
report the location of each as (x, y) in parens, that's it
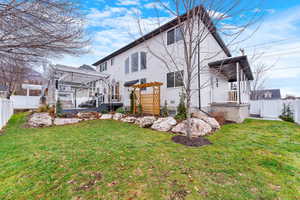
(199, 81)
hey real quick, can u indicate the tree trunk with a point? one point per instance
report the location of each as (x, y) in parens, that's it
(188, 108)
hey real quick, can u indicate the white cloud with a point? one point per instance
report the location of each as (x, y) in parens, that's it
(278, 40)
(128, 2)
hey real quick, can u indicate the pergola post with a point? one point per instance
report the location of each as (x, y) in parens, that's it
(238, 82)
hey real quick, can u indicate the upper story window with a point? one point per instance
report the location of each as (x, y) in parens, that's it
(143, 60)
(103, 67)
(135, 62)
(127, 66)
(112, 61)
(174, 35)
(175, 79)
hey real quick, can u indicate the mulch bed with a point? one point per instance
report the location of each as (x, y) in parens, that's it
(193, 142)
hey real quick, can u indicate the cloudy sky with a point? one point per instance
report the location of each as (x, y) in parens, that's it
(113, 24)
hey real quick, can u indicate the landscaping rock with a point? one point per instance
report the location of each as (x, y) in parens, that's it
(88, 115)
(210, 120)
(164, 124)
(128, 119)
(106, 116)
(40, 120)
(199, 127)
(199, 114)
(118, 116)
(65, 121)
(145, 122)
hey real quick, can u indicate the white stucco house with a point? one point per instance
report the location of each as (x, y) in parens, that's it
(226, 78)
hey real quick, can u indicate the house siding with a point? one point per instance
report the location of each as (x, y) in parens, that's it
(156, 71)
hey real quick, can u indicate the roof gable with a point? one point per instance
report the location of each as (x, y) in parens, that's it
(205, 19)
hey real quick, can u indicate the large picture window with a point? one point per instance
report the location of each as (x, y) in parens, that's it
(175, 79)
(135, 62)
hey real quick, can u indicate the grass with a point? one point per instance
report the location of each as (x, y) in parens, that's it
(112, 160)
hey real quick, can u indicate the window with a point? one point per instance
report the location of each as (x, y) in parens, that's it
(178, 33)
(175, 79)
(112, 61)
(135, 62)
(179, 78)
(103, 67)
(127, 66)
(175, 35)
(171, 37)
(142, 81)
(143, 60)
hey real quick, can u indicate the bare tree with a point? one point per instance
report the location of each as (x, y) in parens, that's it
(197, 20)
(12, 75)
(260, 73)
(34, 30)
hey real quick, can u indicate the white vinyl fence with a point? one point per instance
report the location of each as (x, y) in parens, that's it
(26, 102)
(273, 108)
(6, 111)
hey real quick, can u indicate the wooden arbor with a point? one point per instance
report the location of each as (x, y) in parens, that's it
(150, 102)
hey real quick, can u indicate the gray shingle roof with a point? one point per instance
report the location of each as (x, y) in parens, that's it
(270, 94)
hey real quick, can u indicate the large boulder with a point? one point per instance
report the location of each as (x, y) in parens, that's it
(199, 127)
(210, 120)
(118, 116)
(65, 121)
(106, 116)
(128, 119)
(40, 120)
(88, 115)
(145, 122)
(164, 124)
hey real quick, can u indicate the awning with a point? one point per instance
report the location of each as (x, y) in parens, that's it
(130, 83)
(228, 67)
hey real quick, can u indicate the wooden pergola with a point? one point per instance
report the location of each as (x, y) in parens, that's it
(150, 102)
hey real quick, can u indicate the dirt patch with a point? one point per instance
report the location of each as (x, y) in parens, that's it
(94, 179)
(193, 142)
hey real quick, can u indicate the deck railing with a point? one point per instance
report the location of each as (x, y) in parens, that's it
(232, 96)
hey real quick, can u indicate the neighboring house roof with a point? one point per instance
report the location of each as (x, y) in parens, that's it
(206, 20)
(3, 88)
(87, 67)
(271, 94)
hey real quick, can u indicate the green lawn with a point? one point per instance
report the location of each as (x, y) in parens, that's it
(113, 160)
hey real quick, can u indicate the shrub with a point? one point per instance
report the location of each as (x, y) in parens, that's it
(43, 108)
(140, 109)
(164, 110)
(120, 110)
(181, 108)
(219, 116)
(59, 110)
(104, 111)
(287, 113)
